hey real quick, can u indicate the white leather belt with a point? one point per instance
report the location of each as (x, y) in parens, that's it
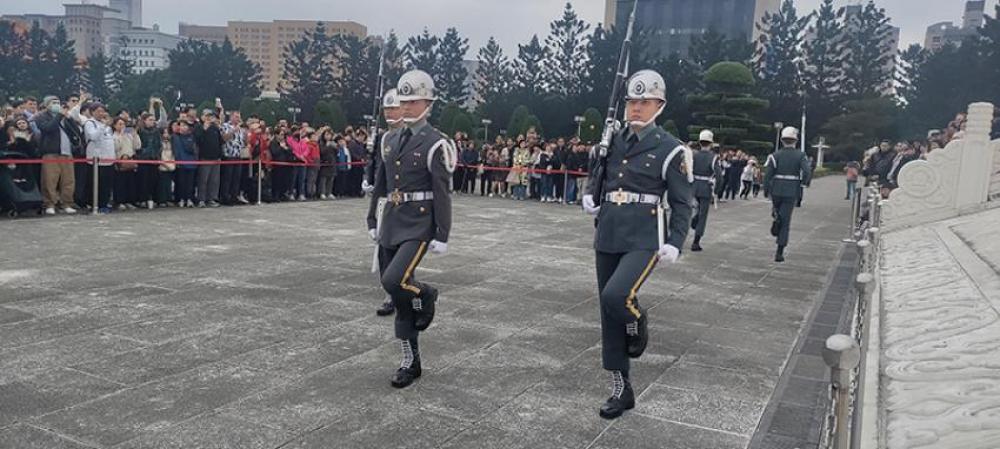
(787, 177)
(398, 197)
(704, 178)
(622, 197)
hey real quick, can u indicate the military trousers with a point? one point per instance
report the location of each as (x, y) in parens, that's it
(619, 277)
(701, 216)
(398, 266)
(782, 211)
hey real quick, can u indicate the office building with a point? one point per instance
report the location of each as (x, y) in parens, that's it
(947, 33)
(672, 24)
(206, 33)
(148, 49)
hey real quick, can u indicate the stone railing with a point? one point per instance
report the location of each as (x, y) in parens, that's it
(953, 181)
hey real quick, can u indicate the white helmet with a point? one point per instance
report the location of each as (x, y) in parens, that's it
(416, 85)
(790, 133)
(706, 136)
(645, 85)
(390, 100)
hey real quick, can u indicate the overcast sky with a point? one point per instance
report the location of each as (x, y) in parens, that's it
(511, 21)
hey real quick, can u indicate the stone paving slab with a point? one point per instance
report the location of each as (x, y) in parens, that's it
(253, 327)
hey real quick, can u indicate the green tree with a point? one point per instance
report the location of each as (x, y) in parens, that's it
(395, 60)
(358, 71)
(306, 77)
(729, 110)
(515, 125)
(98, 77)
(137, 89)
(421, 51)
(777, 61)
(683, 79)
(862, 125)
(908, 68)
(330, 113)
(823, 74)
(593, 123)
(603, 49)
(61, 73)
(493, 82)
(463, 123)
(449, 71)
(712, 47)
(270, 111)
(234, 76)
(567, 49)
(529, 74)
(867, 71)
(13, 51)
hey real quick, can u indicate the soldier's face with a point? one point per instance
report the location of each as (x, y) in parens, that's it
(414, 110)
(643, 110)
(393, 116)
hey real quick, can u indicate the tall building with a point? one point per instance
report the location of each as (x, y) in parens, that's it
(130, 10)
(672, 24)
(148, 49)
(264, 42)
(93, 28)
(205, 33)
(947, 33)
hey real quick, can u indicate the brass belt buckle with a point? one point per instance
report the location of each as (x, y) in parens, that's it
(619, 197)
(396, 197)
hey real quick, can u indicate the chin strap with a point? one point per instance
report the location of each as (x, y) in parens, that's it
(640, 125)
(420, 117)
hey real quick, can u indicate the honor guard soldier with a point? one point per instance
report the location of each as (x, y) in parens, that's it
(706, 171)
(394, 119)
(418, 162)
(787, 170)
(643, 162)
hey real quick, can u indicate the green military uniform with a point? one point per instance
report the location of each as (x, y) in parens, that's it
(787, 170)
(640, 168)
(415, 179)
(705, 174)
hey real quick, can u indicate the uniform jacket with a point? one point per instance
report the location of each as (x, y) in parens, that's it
(787, 162)
(658, 163)
(412, 168)
(705, 164)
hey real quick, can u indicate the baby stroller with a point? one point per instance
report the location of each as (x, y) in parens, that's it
(18, 187)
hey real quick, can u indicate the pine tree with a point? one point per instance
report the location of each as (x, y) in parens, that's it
(823, 74)
(908, 70)
(306, 75)
(61, 71)
(449, 71)
(529, 75)
(395, 60)
(493, 80)
(867, 70)
(13, 50)
(567, 47)
(683, 78)
(358, 60)
(729, 110)
(777, 61)
(421, 51)
(234, 75)
(97, 77)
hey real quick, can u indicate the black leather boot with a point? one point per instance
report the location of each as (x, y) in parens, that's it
(636, 337)
(387, 308)
(425, 312)
(779, 256)
(696, 246)
(622, 398)
(409, 370)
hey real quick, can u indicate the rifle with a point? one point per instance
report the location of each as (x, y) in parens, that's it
(373, 121)
(611, 121)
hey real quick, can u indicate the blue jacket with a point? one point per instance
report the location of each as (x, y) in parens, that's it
(184, 150)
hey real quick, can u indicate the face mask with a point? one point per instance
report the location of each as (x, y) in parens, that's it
(55, 108)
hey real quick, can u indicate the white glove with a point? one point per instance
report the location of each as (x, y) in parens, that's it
(373, 234)
(437, 247)
(588, 205)
(367, 188)
(668, 254)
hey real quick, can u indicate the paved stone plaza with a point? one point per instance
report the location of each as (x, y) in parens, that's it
(254, 327)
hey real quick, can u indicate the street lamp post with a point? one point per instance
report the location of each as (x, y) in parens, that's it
(579, 124)
(295, 114)
(777, 134)
(486, 124)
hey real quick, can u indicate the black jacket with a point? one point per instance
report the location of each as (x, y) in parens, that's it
(51, 126)
(209, 142)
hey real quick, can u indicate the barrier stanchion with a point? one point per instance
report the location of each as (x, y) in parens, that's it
(95, 173)
(565, 198)
(260, 180)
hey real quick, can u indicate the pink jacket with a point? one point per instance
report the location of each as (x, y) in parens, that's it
(299, 148)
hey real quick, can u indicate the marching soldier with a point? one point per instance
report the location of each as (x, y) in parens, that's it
(415, 179)
(393, 118)
(788, 170)
(706, 171)
(643, 162)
